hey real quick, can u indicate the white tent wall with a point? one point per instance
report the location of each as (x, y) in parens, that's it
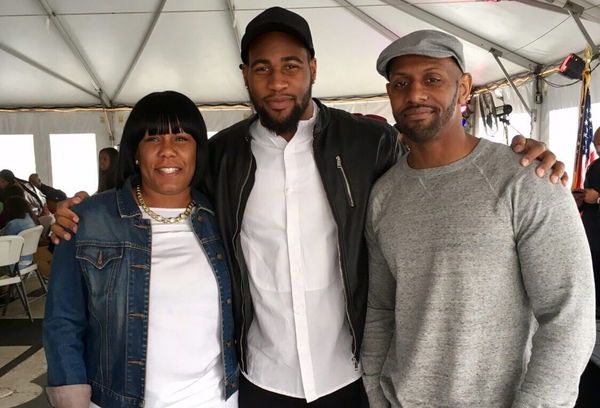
(42, 124)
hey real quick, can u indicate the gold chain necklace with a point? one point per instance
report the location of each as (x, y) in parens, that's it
(171, 220)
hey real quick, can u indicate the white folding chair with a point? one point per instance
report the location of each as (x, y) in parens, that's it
(32, 238)
(11, 247)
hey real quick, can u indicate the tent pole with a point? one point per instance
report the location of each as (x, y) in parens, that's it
(45, 69)
(453, 29)
(367, 19)
(140, 49)
(231, 8)
(76, 51)
(498, 54)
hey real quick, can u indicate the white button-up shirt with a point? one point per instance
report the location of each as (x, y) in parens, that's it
(299, 343)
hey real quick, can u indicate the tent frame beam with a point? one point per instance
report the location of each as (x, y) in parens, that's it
(236, 34)
(511, 83)
(140, 49)
(576, 11)
(76, 51)
(45, 69)
(367, 19)
(423, 15)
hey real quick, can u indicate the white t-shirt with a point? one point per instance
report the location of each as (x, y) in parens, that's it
(184, 366)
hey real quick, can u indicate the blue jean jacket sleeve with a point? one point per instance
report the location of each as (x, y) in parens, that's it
(65, 320)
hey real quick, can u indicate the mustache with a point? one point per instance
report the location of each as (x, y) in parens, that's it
(414, 106)
(278, 96)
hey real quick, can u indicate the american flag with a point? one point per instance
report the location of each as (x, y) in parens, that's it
(585, 153)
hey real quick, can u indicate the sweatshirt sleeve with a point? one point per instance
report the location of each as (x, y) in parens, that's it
(556, 269)
(379, 325)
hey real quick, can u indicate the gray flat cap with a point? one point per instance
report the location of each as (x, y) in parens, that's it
(429, 43)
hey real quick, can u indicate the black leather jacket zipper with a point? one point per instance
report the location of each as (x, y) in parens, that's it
(338, 163)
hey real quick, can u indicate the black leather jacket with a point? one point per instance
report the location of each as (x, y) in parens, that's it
(350, 153)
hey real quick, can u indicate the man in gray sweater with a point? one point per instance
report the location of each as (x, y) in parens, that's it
(480, 291)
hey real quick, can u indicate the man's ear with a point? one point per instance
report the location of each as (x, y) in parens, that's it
(465, 84)
(313, 69)
(244, 69)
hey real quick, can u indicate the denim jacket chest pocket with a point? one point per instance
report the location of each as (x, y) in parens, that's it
(100, 264)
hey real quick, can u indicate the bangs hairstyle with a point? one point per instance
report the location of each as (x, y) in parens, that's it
(162, 113)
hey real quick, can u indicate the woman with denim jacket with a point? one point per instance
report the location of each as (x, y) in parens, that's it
(139, 305)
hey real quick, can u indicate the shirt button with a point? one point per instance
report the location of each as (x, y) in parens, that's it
(219, 256)
(228, 301)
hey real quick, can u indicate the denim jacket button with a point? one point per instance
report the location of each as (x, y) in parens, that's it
(219, 256)
(228, 301)
(228, 344)
(200, 218)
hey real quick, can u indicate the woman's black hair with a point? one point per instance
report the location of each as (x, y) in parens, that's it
(107, 179)
(16, 207)
(7, 176)
(162, 113)
(14, 190)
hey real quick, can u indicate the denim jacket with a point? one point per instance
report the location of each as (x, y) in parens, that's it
(96, 323)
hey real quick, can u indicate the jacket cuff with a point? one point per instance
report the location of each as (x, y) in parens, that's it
(70, 396)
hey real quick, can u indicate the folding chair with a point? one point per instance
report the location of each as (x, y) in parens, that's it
(46, 221)
(32, 238)
(11, 247)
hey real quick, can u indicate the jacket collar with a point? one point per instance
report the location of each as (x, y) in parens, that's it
(128, 207)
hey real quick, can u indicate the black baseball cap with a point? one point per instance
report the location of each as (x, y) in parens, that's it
(277, 19)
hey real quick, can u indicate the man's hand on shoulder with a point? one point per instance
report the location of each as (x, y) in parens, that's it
(66, 219)
(535, 150)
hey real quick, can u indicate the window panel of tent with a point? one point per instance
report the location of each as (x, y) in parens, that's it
(74, 162)
(17, 155)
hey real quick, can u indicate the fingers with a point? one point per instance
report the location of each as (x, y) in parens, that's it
(58, 233)
(558, 170)
(564, 178)
(66, 219)
(82, 195)
(537, 150)
(518, 144)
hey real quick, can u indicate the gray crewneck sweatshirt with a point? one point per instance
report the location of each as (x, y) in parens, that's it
(480, 288)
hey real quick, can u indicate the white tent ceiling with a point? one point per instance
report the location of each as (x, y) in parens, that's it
(62, 52)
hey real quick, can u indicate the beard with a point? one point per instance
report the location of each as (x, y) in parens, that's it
(427, 132)
(287, 124)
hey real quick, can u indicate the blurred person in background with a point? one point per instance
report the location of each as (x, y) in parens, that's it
(108, 159)
(19, 217)
(35, 199)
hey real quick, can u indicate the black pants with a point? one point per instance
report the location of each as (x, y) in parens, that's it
(252, 396)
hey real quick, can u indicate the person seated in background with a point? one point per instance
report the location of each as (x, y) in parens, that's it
(19, 217)
(33, 196)
(108, 159)
(36, 181)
